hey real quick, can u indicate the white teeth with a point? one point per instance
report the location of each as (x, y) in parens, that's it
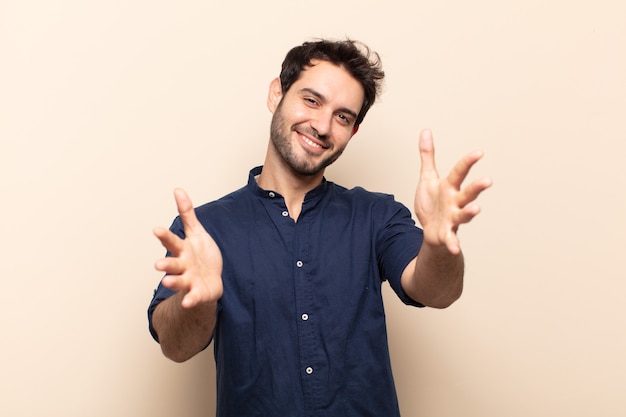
(310, 142)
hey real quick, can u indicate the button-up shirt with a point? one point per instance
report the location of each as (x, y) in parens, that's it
(301, 325)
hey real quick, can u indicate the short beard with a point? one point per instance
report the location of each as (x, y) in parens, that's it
(281, 141)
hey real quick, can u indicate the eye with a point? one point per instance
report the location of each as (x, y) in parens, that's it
(346, 120)
(310, 101)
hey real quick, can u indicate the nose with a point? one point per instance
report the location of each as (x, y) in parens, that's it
(322, 124)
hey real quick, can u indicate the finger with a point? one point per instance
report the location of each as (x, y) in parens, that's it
(175, 283)
(170, 265)
(186, 211)
(462, 168)
(169, 240)
(208, 290)
(190, 300)
(427, 156)
(472, 191)
(194, 296)
(452, 243)
(467, 214)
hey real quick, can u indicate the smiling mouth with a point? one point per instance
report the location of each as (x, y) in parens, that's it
(306, 137)
(311, 143)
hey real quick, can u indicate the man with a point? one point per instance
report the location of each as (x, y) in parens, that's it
(285, 274)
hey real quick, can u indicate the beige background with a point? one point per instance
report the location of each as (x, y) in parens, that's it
(106, 106)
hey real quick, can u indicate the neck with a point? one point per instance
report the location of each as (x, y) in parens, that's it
(278, 176)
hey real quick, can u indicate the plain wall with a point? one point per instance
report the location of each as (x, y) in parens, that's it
(106, 106)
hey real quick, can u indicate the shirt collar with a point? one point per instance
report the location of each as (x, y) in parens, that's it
(313, 195)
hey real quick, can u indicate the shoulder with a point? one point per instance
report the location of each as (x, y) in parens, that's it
(362, 197)
(224, 204)
(214, 212)
(363, 205)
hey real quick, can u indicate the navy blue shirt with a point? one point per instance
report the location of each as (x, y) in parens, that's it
(301, 325)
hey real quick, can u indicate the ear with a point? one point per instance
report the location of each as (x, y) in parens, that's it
(274, 95)
(355, 129)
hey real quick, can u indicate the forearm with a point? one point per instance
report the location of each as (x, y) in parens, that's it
(434, 277)
(183, 332)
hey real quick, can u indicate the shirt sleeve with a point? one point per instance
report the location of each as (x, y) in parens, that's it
(398, 242)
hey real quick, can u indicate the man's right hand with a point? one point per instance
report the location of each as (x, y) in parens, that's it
(195, 267)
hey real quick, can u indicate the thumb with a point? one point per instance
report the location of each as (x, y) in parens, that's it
(186, 210)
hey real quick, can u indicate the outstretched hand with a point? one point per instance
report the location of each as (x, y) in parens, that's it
(443, 204)
(195, 267)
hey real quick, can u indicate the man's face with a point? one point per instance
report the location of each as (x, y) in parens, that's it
(314, 120)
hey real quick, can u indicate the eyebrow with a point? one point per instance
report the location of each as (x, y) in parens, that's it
(321, 97)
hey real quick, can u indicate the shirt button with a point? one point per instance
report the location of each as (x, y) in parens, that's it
(285, 213)
(299, 264)
(305, 317)
(271, 194)
(309, 370)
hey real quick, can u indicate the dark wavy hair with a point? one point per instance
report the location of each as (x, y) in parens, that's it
(353, 56)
